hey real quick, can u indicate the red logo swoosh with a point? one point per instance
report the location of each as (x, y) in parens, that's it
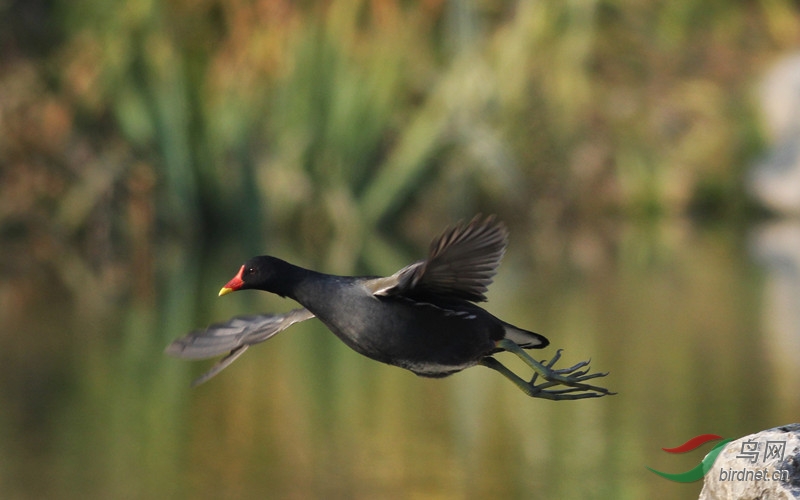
(693, 443)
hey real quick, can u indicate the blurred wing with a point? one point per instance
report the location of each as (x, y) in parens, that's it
(461, 263)
(232, 337)
(220, 365)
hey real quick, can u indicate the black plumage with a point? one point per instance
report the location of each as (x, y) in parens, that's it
(422, 318)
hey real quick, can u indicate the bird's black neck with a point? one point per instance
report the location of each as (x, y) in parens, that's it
(294, 281)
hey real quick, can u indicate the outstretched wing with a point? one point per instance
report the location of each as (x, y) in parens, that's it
(232, 337)
(461, 263)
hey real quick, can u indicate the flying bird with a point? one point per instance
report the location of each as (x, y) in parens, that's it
(423, 318)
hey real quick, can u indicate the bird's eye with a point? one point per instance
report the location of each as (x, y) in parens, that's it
(250, 270)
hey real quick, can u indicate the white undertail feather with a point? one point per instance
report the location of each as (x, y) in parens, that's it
(524, 338)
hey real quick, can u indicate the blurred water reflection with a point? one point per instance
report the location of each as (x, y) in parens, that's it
(777, 246)
(678, 314)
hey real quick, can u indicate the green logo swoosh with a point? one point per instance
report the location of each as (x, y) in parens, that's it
(697, 472)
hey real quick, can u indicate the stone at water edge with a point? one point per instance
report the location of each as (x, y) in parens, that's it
(735, 478)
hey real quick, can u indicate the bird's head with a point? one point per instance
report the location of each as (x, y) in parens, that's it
(261, 273)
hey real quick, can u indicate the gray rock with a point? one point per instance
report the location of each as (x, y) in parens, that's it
(761, 466)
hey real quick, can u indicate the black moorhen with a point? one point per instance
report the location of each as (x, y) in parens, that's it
(422, 318)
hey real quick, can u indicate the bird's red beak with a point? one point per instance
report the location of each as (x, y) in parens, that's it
(234, 284)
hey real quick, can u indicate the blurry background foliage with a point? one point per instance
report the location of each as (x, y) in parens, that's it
(311, 125)
(147, 147)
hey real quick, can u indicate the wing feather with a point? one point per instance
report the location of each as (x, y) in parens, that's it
(223, 337)
(461, 263)
(232, 338)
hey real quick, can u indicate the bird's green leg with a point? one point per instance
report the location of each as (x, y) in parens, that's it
(572, 378)
(540, 390)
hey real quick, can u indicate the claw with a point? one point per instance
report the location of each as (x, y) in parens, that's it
(564, 371)
(555, 358)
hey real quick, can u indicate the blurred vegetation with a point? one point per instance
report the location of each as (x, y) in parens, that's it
(134, 132)
(312, 124)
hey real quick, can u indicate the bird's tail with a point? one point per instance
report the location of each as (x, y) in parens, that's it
(524, 338)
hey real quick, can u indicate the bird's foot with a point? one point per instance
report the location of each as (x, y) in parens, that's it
(556, 384)
(573, 378)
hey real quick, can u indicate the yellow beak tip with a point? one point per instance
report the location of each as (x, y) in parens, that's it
(225, 290)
